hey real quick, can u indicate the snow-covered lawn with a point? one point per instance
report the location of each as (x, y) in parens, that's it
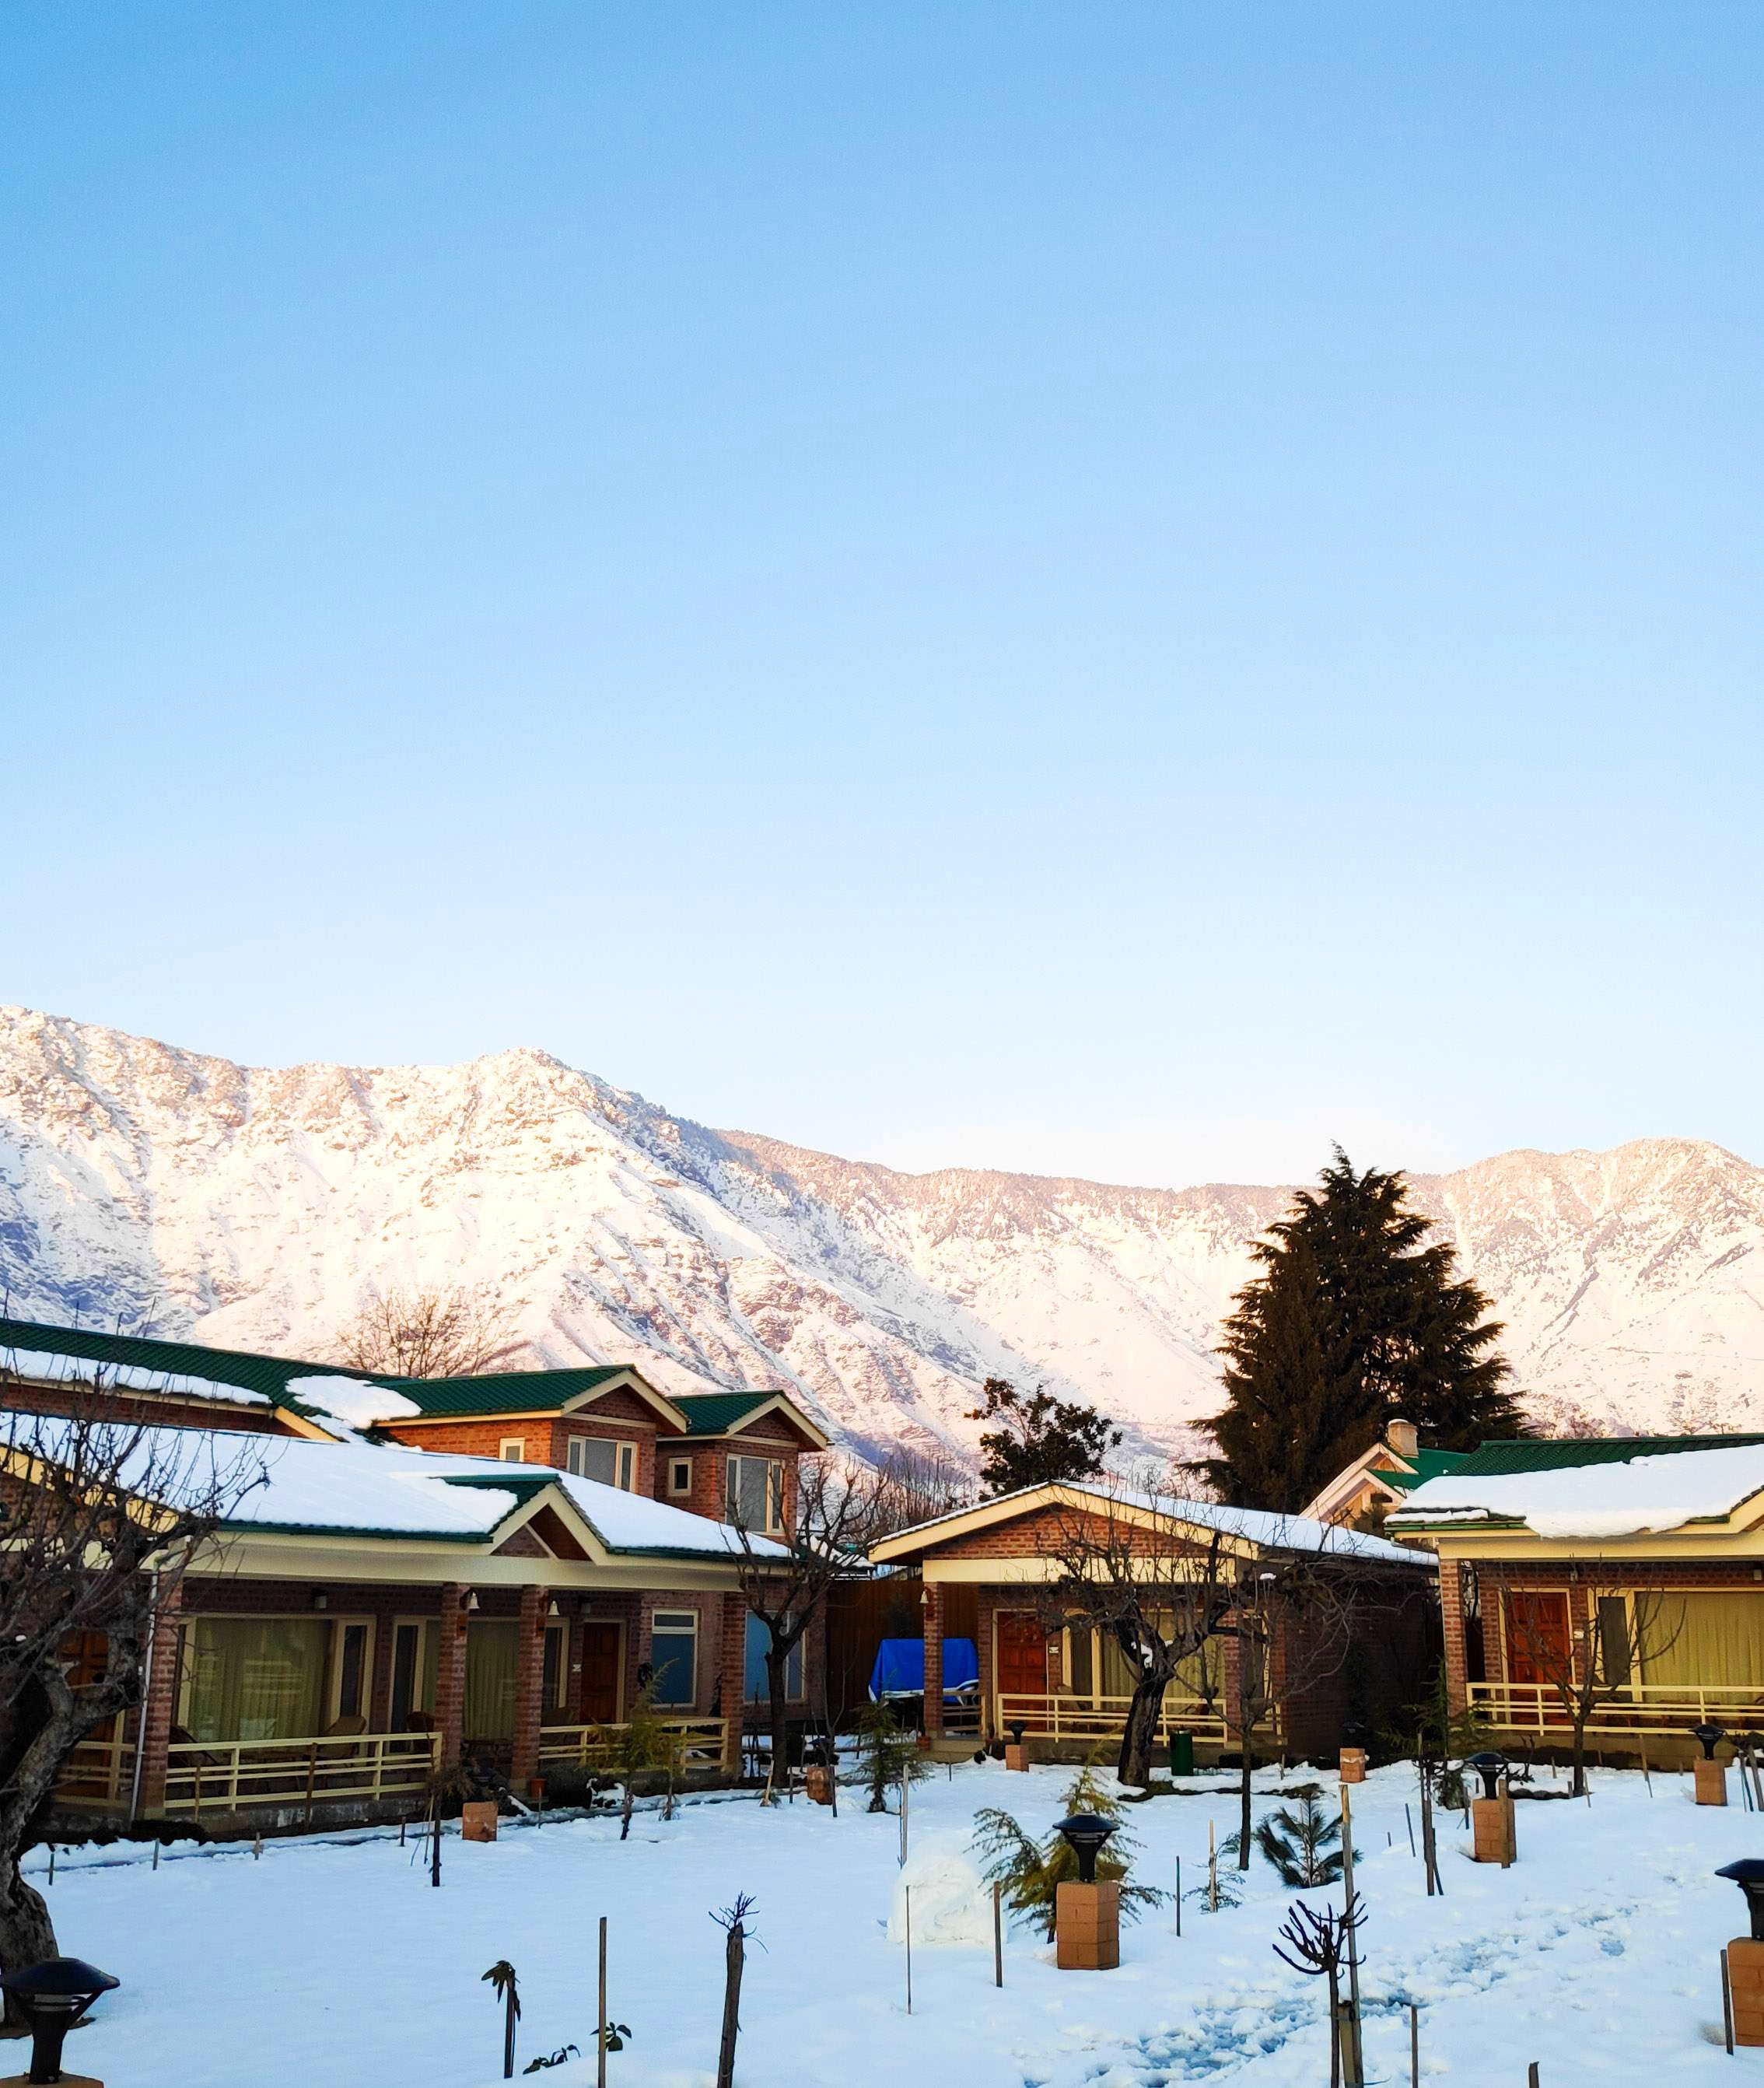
(1596, 1955)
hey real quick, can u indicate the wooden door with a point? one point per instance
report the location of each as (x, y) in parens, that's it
(1023, 1655)
(1538, 1650)
(601, 1645)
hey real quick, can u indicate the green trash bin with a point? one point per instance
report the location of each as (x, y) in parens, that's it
(1182, 1754)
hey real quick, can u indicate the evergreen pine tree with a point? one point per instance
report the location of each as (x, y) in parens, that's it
(1355, 1320)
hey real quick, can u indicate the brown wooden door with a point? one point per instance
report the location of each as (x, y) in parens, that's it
(601, 1645)
(1538, 1648)
(1022, 1653)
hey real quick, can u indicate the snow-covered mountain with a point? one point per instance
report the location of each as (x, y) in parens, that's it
(260, 1209)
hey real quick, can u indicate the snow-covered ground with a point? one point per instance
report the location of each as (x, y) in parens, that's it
(1597, 1955)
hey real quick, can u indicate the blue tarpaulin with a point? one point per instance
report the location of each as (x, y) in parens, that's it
(900, 1669)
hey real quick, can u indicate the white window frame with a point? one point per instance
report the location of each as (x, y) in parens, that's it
(512, 1450)
(624, 1460)
(676, 1485)
(774, 1524)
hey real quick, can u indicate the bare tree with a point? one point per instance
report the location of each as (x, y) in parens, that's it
(785, 1579)
(101, 1521)
(1130, 1568)
(453, 1332)
(1579, 1674)
(918, 1485)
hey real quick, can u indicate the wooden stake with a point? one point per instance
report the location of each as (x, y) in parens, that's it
(1415, 2046)
(1212, 1872)
(908, 1889)
(1726, 2005)
(1179, 1895)
(1531, 2078)
(1355, 2057)
(731, 2008)
(52, 1862)
(156, 1855)
(599, 2035)
(1409, 1817)
(434, 1853)
(998, 1936)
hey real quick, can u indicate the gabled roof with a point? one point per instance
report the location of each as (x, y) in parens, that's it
(32, 1348)
(527, 1392)
(1246, 1529)
(1428, 1465)
(726, 1413)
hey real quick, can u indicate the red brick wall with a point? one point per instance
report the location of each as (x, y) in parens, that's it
(710, 1457)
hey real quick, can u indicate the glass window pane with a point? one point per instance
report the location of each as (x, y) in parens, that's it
(674, 1657)
(256, 1678)
(597, 1456)
(351, 1671)
(491, 1654)
(626, 1462)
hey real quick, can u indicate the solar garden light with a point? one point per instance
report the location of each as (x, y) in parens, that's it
(1712, 1779)
(1493, 1839)
(1087, 1910)
(1745, 1955)
(52, 1997)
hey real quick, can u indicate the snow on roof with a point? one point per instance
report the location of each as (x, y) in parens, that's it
(633, 1522)
(1639, 1496)
(387, 1490)
(1258, 1527)
(351, 1402)
(52, 1366)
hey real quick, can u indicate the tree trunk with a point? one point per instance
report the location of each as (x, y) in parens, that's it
(1140, 1733)
(27, 1934)
(777, 1658)
(1578, 1788)
(733, 1957)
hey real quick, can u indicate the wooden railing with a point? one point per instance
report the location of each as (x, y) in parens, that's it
(1640, 1710)
(99, 1774)
(1080, 1718)
(229, 1776)
(701, 1743)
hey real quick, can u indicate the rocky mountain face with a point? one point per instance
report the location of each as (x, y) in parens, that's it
(260, 1208)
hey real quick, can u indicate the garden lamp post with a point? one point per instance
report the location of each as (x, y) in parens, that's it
(1084, 1834)
(1745, 1954)
(1491, 1767)
(53, 1997)
(1016, 1754)
(1493, 1840)
(1712, 1779)
(1087, 1910)
(1353, 1751)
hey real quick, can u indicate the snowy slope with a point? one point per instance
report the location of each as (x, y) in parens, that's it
(259, 1208)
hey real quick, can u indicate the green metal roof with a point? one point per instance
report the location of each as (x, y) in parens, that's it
(715, 1413)
(501, 1391)
(1536, 1454)
(1428, 1465)
(267, 1376)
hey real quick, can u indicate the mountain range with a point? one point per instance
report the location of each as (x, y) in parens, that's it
(260, 1208)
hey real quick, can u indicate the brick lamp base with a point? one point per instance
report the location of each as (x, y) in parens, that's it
(1087, 1926)
(1745, 1983)
(1495, 1839)
(1353, 1764)
(1015, 1756)
(478, 1820)
(1711, 1784)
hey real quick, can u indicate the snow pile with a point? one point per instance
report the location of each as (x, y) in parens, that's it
(351, 1402)
(1635, 1498)
(952, 1904)
(55, 1367)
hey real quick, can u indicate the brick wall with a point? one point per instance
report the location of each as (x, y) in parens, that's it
(709, 1455)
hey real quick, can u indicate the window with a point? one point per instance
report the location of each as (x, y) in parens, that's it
(674, 1656)
(755, 1685)
(492, 1660)
(255, 1678)
(1614, 1646)
(513, 1450)
(679, 1475)
(597, 1457)
(415, 1656)
(552, 1674)
(756, 1493)
(350, 1696)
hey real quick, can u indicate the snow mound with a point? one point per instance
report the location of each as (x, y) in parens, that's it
(952, 1904)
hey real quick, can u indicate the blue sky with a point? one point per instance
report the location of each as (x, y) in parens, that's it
(1120, 590)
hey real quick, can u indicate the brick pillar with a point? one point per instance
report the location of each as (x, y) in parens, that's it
(450, 1673)
(731, 1672)
(159, 1702)
(1451, 1611)
(931, 1611)
(529, 1685)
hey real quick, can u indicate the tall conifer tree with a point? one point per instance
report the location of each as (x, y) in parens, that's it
(1355, 1320)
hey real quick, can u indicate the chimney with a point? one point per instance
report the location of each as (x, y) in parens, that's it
(1403, 1437)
